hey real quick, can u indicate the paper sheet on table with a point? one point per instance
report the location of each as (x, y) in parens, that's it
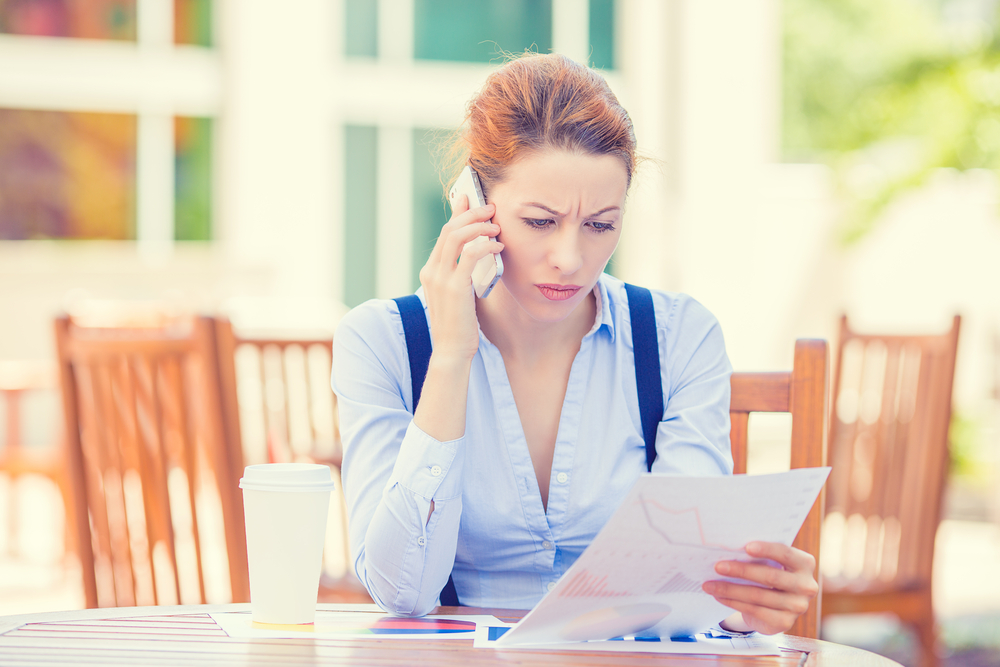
(704, 643)
(644, 570)
(356, 625)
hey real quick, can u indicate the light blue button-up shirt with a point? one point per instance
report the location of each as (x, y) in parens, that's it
(488, 517)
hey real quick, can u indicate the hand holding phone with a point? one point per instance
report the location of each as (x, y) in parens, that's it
(489, 269)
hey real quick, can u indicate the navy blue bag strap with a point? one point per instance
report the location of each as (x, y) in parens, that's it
(418, 341)
(646, 349)
(418, 349)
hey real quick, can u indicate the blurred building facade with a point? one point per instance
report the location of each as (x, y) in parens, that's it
(214, 152)
(293, 149)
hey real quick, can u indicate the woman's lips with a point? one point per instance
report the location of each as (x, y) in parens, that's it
(558, 292)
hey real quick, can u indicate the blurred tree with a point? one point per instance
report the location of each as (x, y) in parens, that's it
(888, 91)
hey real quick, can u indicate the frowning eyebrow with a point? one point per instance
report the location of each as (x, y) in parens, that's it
(557, 213)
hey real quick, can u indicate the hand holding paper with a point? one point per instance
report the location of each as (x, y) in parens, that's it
(782, 592)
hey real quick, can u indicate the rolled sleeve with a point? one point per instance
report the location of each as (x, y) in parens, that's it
(427, 467)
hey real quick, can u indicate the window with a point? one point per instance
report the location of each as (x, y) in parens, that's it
(361, 28)
(67, 175)
(192, 179)
(360, 147)
(476, 31)
(193, 22)
(430, 209)
(602, 33)
(92, 19)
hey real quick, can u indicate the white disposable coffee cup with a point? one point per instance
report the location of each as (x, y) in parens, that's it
(285, 506)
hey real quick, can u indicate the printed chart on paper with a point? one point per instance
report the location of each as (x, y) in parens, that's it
(644, 570)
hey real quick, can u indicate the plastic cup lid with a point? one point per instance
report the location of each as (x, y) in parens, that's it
(287, 477)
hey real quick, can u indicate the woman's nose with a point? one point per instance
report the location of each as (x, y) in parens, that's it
(565, 253)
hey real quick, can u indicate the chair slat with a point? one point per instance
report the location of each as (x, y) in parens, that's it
(739, 425)
(760, 392)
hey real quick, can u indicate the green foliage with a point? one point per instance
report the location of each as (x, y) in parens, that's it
(891, 84)
(964, 448)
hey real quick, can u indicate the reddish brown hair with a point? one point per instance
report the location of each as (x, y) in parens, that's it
(542, 101)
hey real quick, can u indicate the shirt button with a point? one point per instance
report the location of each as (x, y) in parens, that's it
(421, 541)
(436, 471)
(551, 585)
(546, 545)
(562, 478)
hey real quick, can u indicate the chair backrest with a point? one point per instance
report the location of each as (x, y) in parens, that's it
(149, 459)
(277, 396)
(803, 393)
(279, 407)
(889, 449)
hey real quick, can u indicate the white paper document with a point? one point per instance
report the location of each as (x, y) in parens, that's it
(642, 574)
(703, 643)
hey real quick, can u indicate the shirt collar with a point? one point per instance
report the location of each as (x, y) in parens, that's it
(603, 316)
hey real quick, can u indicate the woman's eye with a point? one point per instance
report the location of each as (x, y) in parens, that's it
(603, 226)
(537, 223)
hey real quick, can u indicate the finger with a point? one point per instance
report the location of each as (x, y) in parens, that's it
(474, 253)
(765, 621)
(789, 557)
(457, 222)
(767, 598)
(800, 582)
(452, 246)
(478, 214)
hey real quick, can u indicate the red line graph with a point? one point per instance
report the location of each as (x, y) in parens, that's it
(702, 542)
(586, 585)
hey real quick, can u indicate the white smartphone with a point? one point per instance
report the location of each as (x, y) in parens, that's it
(488, 270)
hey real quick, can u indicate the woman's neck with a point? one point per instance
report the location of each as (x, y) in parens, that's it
(519, 336)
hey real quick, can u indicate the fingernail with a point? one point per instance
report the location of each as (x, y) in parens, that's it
(753, 548)
(708, 587)
(723, 568)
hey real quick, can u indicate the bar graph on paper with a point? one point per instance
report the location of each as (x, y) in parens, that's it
(652, 557)
(586, 585)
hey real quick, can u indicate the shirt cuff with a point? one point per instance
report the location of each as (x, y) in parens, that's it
(428, 467)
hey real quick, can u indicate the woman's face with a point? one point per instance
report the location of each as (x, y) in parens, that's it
(560, 217)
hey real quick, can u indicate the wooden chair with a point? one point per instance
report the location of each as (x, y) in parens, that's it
(159, 512)
(803, 393)
(19, 381)
(279, 407)
(889, 449)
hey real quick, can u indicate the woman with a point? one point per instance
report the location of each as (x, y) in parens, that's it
(527, 433)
